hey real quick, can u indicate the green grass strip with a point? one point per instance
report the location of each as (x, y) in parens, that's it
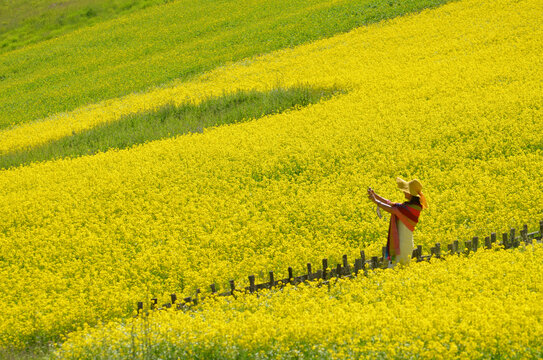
(169, 121)
(178, 40)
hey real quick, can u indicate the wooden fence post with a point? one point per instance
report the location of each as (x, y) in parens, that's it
(505, 240)
(475, 243)
(173, 297)
(252, 283)
(290, 276)
(140, 307)
(309, 272)
(450, 248)
(154, 303)
(541, 230)
(512, 240)
(213, 289)
(324, 267)
(415, 254)
(338, 271)
(272, 281)
(346, 267)
(438, 250)
(493, 237)
(456, 247)
(363, 257)
(358, 265)
(524, 234)
(488, 243)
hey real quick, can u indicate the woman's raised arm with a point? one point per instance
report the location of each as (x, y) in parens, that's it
(380, 201)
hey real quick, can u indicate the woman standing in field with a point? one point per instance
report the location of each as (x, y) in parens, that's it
(400, 243)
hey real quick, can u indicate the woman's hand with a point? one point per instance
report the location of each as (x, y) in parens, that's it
(381, 202)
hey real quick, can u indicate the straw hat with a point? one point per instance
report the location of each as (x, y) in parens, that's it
(414, 187)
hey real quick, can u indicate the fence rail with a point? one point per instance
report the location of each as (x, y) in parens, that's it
(361, 265)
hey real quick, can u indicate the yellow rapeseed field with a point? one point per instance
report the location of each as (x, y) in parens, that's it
(461, 308)
(451, 96)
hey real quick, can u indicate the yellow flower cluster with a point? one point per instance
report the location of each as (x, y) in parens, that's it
(463, 308)
(451, 96)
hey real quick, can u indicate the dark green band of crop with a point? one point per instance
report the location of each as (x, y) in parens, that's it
(170, 121)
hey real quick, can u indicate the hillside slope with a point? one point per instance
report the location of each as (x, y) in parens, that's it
(450, 96)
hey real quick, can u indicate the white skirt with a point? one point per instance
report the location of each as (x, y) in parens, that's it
(406, 244)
